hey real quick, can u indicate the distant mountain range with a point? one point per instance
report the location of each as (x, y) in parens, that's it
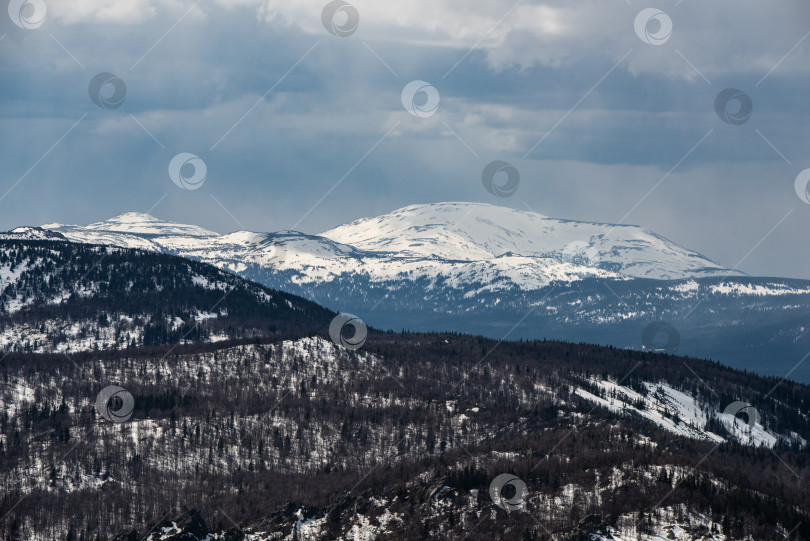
(456, 242)
(496, 271)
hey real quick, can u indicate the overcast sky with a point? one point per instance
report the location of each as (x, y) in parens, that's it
(606, 118)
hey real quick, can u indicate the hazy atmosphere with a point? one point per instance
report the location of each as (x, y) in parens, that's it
(608, 113)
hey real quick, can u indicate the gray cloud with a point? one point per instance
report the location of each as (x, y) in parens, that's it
(189, 83)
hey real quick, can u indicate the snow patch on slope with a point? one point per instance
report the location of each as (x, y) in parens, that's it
(676, 412)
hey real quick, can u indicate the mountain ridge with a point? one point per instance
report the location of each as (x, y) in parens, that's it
(482, 269)
(442, 232)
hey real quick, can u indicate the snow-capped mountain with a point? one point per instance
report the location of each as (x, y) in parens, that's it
(456, 242)
(480, 232)
(496, 271)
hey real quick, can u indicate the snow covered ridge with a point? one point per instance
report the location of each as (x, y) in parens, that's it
(31, 233)
(476, 231)
(460, 243)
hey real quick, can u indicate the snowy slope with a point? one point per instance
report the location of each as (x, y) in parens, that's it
(678, 412)
(477, 231)
(457, 244)
(143, 225)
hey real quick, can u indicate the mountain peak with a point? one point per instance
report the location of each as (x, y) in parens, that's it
(467, 232)
(31, 233)
(451, 230)
(450, 212)
(145, 224)
(453, 207)
(132, 217)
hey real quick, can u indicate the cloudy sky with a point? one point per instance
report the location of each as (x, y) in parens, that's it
(607, 108)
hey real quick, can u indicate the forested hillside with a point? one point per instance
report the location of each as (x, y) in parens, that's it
(145, 396)
(57, 296)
